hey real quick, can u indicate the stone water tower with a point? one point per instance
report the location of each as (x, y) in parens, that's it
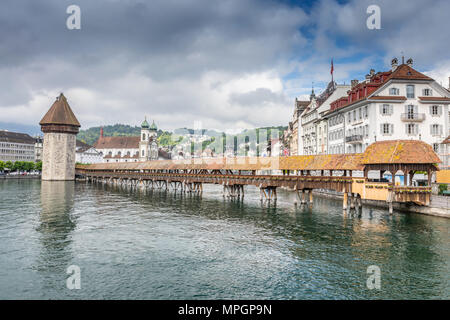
(60, 127)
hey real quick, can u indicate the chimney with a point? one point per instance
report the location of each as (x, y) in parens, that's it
(101, 132)
(409, 62)
(354, 83)
(394, 64)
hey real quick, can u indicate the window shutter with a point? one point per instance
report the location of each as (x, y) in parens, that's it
(391, 109)
(431, 129)
(406, 128)
(416, 128)
(391, 131)
(381, 128)
(431, 109)
(381, 109)
(406, 109)
(416, 109)
(440, 110)
(441, 129)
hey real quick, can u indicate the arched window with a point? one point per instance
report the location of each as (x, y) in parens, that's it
(143, 152)
(143, 137)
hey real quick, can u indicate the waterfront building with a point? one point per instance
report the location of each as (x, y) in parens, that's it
(60, 127)
(38, 145)
(15, 146)
(314, 138)
(292, 136)
(85, 153)
(133, 148)
(400, 103)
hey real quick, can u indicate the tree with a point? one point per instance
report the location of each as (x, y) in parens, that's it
(2, 165)
(28, 166)
(38, 165)
(8, 165)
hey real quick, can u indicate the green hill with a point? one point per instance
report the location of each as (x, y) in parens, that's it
(165, 138)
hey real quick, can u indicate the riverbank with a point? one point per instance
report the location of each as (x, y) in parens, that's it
(28, 176)
(439, 206)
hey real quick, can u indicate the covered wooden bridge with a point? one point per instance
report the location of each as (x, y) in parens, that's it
(346, 173)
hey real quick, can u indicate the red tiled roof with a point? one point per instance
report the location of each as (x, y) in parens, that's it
(405, 72)
(400, 98)
(364, 89)
(437, 99)
(447, 140)
(117, 143)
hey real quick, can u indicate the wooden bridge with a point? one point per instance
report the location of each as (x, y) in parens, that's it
(300, 173)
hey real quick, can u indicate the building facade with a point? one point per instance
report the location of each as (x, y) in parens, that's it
(401, 103)
(15, 146)
(87, 154)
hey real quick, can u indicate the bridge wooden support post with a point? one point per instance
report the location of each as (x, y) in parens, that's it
(358, 201)
(303, 196)
(352, 200)
(310, 196)
(345, 201)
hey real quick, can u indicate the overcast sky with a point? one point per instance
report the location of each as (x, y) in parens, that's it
(230, 64)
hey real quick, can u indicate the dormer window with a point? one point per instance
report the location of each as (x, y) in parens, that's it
(427, 92)
(394, 91)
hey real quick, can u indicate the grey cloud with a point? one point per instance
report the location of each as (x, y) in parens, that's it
(257, 97)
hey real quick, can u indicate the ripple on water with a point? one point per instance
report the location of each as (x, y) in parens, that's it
(157, 245)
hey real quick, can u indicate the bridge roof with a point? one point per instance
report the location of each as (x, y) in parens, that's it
(382, 152)
(321, 162)
(400, 152)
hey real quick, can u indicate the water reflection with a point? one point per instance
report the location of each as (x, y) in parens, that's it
(55, 228)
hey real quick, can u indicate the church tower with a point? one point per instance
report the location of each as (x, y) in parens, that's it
(153, 151)
(60, 127)
(145, 141)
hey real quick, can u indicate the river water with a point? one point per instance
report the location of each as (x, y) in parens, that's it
(134, 244)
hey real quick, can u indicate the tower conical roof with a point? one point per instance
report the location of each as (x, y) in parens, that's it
(153, 126)
(60, 113)
(145, 124)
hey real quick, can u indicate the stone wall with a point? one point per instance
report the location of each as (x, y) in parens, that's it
(58, 161)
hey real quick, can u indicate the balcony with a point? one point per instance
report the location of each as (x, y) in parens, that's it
(356, 138)
(413, 117)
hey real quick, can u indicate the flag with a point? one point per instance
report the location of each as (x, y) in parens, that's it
(332, 68)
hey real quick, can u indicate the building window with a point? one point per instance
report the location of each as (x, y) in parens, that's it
(427, 92)
(436, 147)
(143, 137)
(436, 129)
(412, 129)
(386, 109)
(366, 112)
(143, 152)
(394, 91)
(435, 110)
(387, 129)
(410, 91)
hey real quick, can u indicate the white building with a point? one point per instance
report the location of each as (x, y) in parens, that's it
(132, 149)
(314, 127)
(401, 103)
(15, 146)
(87, 154)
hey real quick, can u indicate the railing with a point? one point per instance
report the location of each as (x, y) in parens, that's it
(413, 117)
(354, 138)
